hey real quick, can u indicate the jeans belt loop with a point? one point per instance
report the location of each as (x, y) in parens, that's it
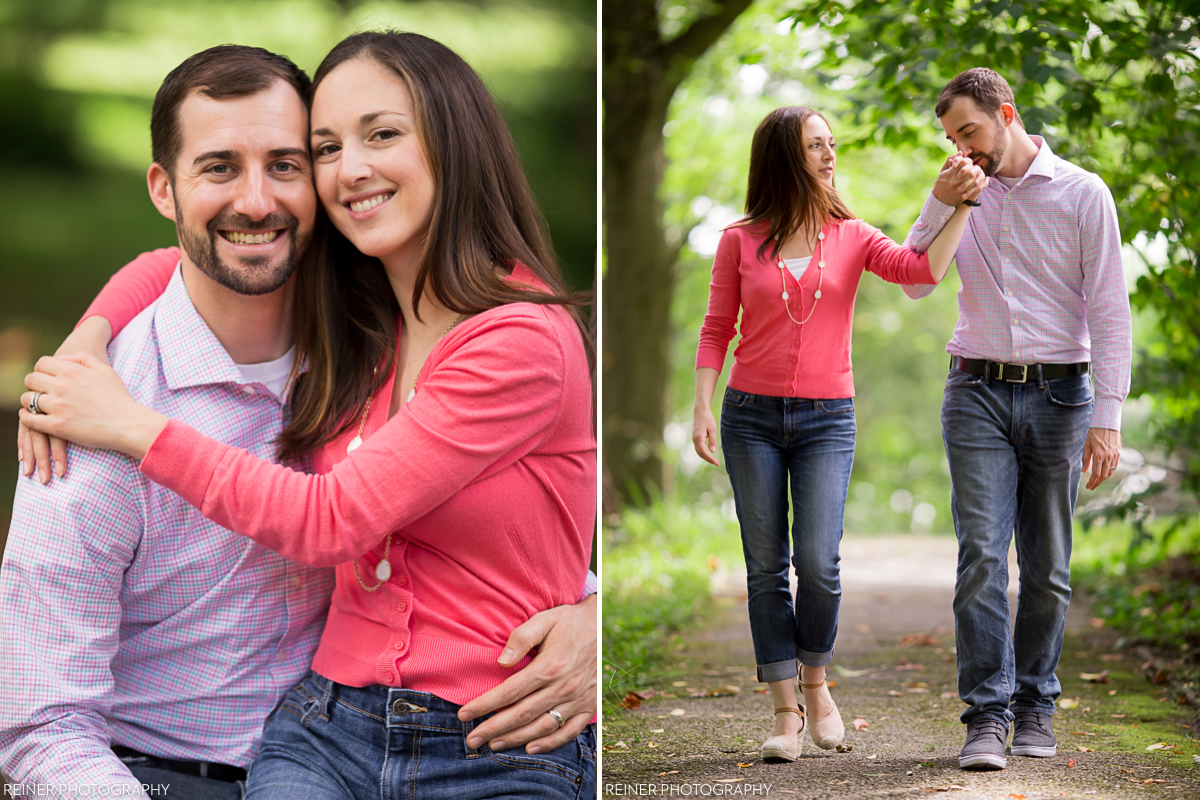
(325, 699)
(1041, 380)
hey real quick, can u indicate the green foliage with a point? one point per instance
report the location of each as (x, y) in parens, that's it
(1111, 86)
(1149, 592)
(657, 566)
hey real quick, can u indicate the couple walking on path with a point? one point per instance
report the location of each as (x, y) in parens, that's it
(1043, 306)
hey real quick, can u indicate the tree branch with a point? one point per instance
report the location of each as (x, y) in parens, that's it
(692, 43)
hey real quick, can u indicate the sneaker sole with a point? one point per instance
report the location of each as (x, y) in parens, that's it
(982, 761)
(1034, 752)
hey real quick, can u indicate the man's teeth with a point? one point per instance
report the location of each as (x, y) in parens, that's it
(370, 202)
(250, 238)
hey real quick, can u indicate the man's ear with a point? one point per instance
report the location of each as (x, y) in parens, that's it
(1007, 113)
(162, 194)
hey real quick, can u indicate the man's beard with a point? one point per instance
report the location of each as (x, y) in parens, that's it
(994, 156)
(257, 275)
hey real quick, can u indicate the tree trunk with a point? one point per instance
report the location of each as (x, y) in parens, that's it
(641, 74)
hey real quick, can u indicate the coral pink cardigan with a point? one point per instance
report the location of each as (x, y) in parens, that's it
(776, 356)
(486, 479)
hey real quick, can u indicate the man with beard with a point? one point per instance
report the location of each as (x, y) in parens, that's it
(1043, 304)
(146, 644)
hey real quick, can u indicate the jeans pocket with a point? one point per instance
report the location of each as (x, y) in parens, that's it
(564, 766)
(960, 379)
(735, 398)
(1071, 392)
(304, 699)
(841, 405)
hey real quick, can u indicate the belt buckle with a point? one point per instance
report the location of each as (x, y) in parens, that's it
(1024, 373)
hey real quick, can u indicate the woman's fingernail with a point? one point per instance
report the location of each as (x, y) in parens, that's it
(59, 469)
(507, 655)
(45, 475)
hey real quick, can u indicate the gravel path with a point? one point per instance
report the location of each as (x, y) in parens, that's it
(896, 660)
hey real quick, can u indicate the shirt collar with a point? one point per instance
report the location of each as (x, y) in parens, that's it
(189, 351)
(1043, 162)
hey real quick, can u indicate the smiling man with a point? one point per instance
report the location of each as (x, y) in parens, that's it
(147, 644)
(1043, 307)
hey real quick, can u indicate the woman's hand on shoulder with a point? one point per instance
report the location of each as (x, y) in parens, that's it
(45, 453)
(82, 399)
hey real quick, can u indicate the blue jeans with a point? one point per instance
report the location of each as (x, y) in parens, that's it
(771, 445)
(1015, 453)
(328, 741)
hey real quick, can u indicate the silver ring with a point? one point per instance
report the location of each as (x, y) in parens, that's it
(33, 403)
(557, 716)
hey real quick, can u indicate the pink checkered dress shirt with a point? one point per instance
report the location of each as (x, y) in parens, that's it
(1042, 280)
(127, 616)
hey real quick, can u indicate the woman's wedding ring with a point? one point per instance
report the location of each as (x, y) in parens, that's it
(33, 409)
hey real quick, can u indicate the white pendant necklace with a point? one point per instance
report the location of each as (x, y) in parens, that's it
(383, 570)
(820, 280)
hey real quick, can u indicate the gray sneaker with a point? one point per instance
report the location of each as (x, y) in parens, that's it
(985, 745)
(1033, 735)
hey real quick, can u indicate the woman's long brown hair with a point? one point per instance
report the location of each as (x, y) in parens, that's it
(484, 215)
(783, 189)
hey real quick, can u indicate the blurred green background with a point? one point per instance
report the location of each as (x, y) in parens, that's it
(77, 79)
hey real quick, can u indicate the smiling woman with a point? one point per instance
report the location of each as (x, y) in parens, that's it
(441, 392)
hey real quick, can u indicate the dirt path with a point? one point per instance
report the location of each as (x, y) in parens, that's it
(896, 660)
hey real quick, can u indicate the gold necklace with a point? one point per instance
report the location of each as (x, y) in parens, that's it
(820, 280)
(383, 570)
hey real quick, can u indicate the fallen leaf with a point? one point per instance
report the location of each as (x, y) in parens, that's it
(665, 774)
(845, 748)
(861, 724)
(645, 694)
(838, 783)
(658, 730)
(953, 786)
(1095, 677)
(1117, 716)
(1017, 796)
(1149, 781)
(1091, 791)
(906, 666)
(621, 744)
(863, 628)
(1081, 733)
(631, 701)
(1159, 746)
(1083, 749)
(894, 693)
(919, 640)
(851, 673)
(744, 764)
(651, 744)
(1072, 762)
(948, 695)
(679, 683)
(1068, 702)
(831, 683)
(725, 691)
(1196, 759)
(1112, 657)
(677, 712)
(918, 690)
(872, 758)
(727, 780)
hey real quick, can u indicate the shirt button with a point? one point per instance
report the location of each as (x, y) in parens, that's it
(403, 581)
(401, 606)
(397, 645)
(282, 655)
(1006, 229)
(298, 581)
(248, 389)
(389, 677)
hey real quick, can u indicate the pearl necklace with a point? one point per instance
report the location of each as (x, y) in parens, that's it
(820, 280)
(383, 570)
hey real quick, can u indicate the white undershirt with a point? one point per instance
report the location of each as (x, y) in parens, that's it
(1009, 182)
(272, 374)
(797, 266)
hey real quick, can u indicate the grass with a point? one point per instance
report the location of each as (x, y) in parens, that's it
(658, 564)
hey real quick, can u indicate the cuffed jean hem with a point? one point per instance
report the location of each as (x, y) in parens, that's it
(777, 671)
(811, 659)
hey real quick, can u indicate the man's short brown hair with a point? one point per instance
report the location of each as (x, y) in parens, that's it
(982, 85)
(222, 72)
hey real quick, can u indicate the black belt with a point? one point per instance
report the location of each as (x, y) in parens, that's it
(201, 769)
(1017, 373)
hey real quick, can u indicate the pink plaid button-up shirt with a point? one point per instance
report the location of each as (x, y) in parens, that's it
(127, 617)
(1042, 280)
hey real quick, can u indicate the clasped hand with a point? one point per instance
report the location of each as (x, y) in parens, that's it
(960, 179)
